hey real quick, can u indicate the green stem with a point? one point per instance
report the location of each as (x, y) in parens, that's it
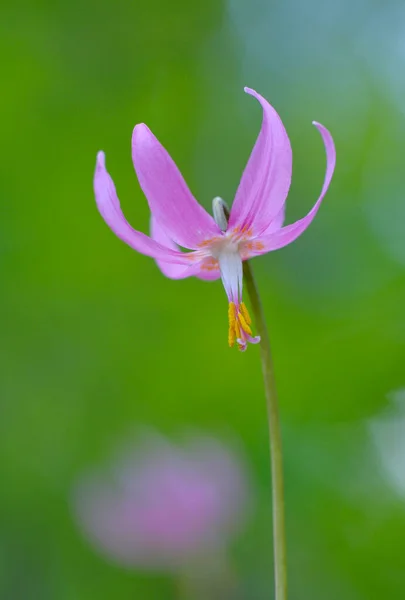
(276, 459)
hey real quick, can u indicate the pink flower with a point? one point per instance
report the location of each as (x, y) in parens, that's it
(218, 245)
(162, 506)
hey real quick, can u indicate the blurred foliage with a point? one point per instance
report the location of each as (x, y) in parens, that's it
(95, 340)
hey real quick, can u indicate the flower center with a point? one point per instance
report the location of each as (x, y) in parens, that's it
(227, 251)
(224, 245)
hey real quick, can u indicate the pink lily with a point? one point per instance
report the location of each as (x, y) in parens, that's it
(218, 244)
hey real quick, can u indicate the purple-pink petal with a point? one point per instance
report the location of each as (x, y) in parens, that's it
(176, 271)
(171, 270)
(109, 207)
(288, 234)
(266, 179)
(170, 201)
(276, 223)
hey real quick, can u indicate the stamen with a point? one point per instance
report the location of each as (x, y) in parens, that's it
(231, 337)
(245, 313)
(232, 321)
(239, 326)
(221, 213)
(237, 329)
(243, 323)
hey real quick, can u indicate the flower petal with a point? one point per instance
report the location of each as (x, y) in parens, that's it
(169, 198)
(207, 272)
(266, 179)
(288, 234)
(276, 223)
(109, 207)
(202, 269)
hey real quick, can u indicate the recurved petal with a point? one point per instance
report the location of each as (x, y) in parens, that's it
(203, 269)
(208, 271)
(266, 179)
(288, 234)
(109, 207)
(169, 198)
(276, 223)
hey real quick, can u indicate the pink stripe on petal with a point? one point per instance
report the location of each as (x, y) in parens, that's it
(176, 271)
(169, 198)
(266, 179)
(207, 271)
(109, 207)
(288, 234)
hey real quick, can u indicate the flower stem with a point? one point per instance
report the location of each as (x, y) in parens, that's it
(276, 460)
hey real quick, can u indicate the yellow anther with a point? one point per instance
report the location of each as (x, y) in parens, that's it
(244, 311)
(244, 325)
(232, 321)
(231, 314)
(237, 330)
(239, 324)
(231, 337)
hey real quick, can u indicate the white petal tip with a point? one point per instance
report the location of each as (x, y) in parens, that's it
(249, 90)
(319, 126)
(100, 159)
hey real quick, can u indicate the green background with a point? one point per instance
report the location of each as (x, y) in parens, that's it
(96, 341)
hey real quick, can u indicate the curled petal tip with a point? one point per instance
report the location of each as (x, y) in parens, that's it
(329, 147)
(320, 127)
(100, 159)
(249, 90)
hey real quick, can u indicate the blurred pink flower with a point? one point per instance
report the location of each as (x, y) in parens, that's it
(161, 506)
(254, 225)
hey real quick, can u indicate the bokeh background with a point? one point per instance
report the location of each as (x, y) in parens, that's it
(96, 342)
